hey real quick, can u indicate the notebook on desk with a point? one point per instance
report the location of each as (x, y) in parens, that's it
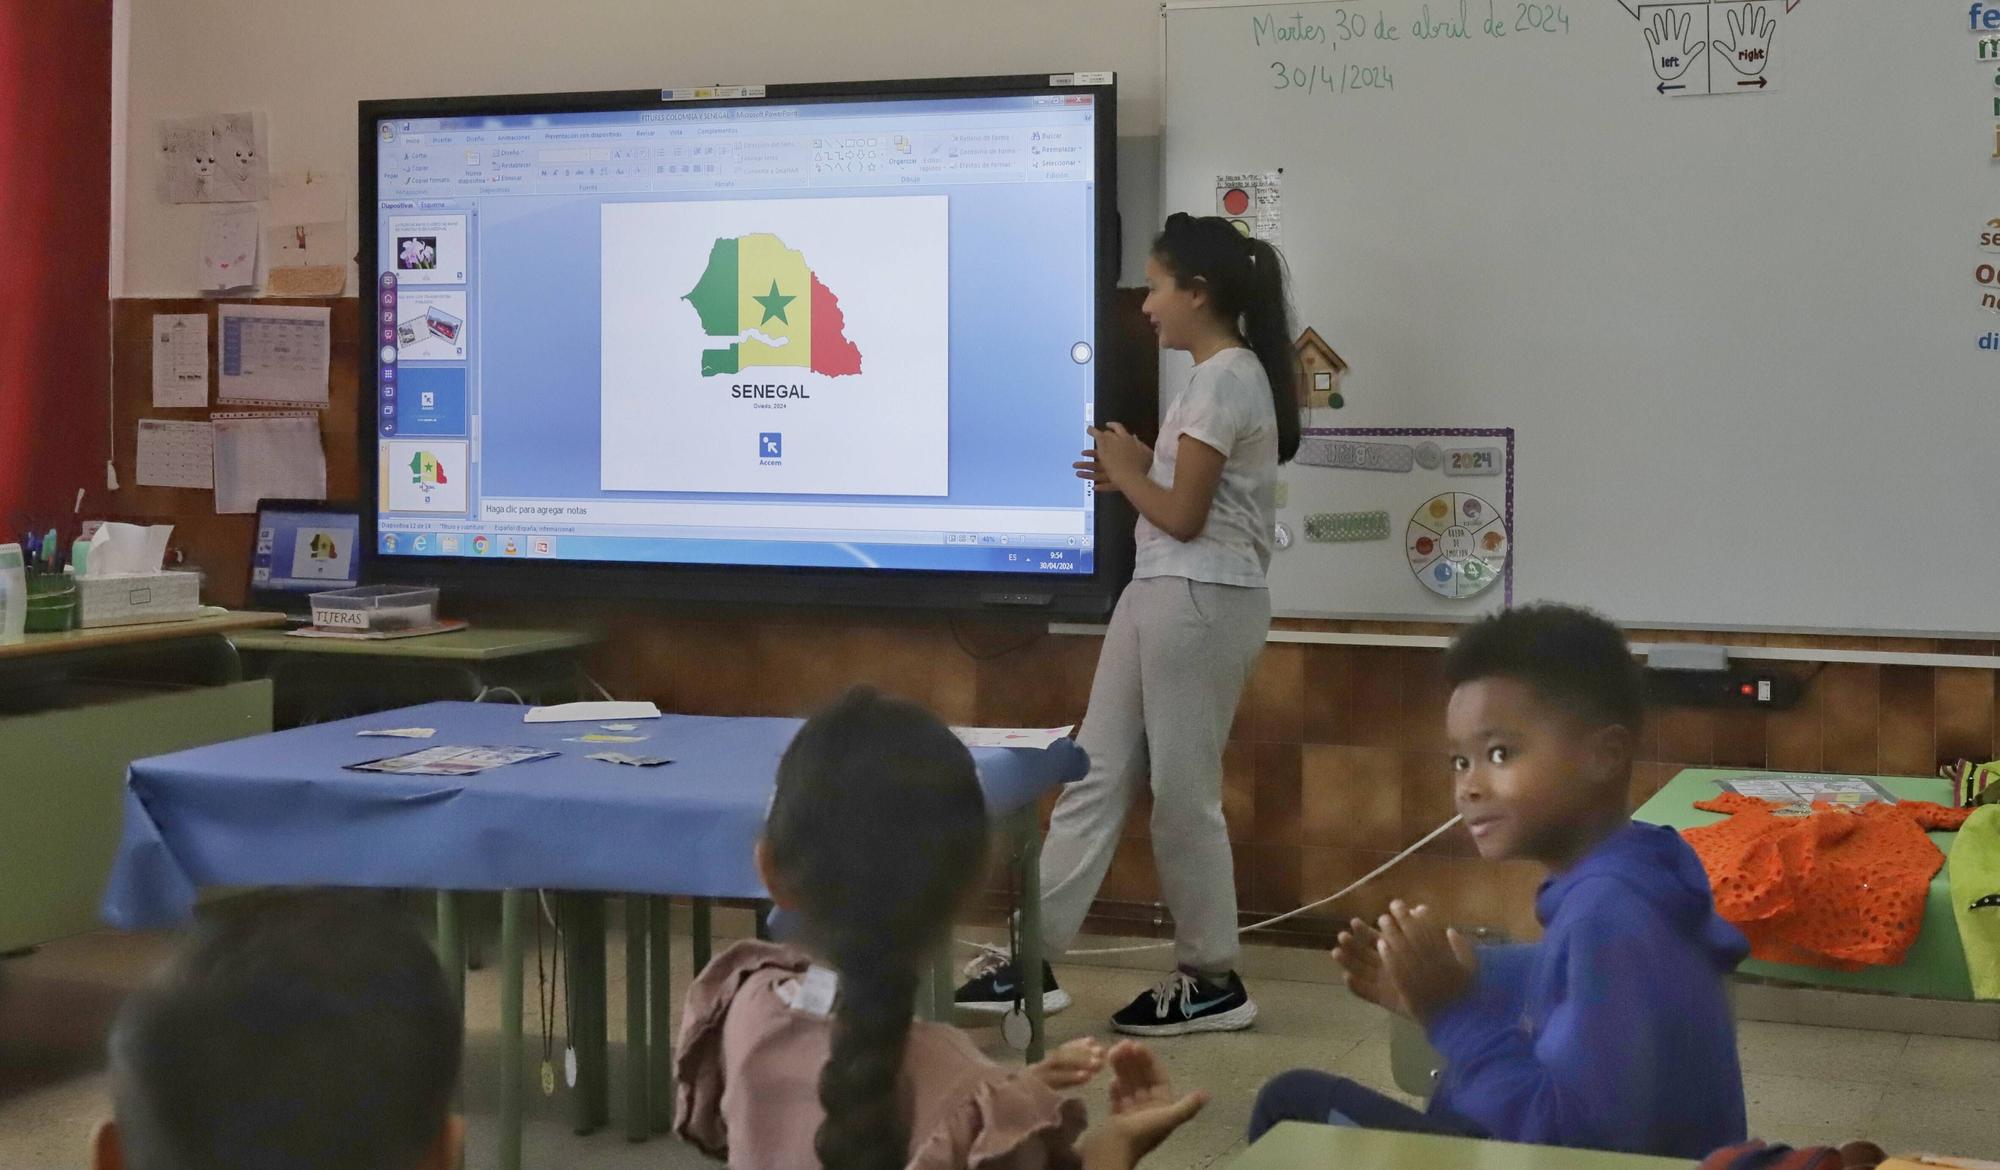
(303, 547)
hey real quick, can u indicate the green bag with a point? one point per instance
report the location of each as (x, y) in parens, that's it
(1974, 870)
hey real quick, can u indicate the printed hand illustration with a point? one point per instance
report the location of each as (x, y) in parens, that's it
(1750, 36)
(1668, 44)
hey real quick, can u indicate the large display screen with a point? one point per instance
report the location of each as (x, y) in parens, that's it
(783, 330)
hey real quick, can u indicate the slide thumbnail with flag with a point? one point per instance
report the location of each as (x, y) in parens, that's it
(426, 475)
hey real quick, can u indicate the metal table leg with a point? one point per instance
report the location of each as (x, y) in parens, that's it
(510, 1030)
(597, 1031)
(934, 994)
(701, 933)
(451, 955)
(660, 1053)
(638, 1100)
(583, 954)
(1028, 957)
(451, 944)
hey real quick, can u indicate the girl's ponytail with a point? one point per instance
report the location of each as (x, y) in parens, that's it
(865, 1128)
(1267, 327)
(1246, 278)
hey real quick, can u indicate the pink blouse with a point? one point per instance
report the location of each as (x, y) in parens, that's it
(747, 1072)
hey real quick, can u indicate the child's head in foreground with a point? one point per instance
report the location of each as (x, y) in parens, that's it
(1545, 712)
(308, 1033)
(876, 837)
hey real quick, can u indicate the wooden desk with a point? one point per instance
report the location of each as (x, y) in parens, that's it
(211, 625)
(475, 644)
(76, 708)
(1295, 1146)
(328, 678)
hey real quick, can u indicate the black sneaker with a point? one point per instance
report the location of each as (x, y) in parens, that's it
(1184, 1003)
(992, 986)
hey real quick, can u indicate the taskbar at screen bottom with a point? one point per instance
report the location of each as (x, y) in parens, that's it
(1051, 557)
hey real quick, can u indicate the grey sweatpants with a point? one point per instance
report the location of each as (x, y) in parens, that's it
(1168, 679)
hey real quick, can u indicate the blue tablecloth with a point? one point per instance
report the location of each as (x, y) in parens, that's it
(282, 810)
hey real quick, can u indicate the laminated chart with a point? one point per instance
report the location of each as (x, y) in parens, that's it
(1395, 522)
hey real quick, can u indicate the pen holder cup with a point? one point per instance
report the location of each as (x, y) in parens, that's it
(51, 602)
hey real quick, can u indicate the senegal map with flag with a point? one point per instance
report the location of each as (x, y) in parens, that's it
(760, 292)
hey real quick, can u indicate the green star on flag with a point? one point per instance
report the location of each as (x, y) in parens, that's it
(774, 305)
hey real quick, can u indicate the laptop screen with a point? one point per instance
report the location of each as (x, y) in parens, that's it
(305, 552)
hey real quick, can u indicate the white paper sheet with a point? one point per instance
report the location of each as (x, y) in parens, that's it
(1254, 202)
(180, 360)
(228, 248)
(272, 353)
(305, 235)
(1010, 737)
(175, 453)
(213, 158)
(267, 459)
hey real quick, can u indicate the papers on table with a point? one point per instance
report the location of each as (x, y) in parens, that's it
(1011, 737)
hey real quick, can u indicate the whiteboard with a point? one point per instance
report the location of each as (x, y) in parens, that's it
(1737, 334)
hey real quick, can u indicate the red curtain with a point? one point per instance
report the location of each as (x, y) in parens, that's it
(55, 216)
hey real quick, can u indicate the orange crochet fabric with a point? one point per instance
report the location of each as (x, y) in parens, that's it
(1839, 888)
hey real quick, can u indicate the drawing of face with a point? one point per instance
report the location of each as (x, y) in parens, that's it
(235, 139)
(194, 150)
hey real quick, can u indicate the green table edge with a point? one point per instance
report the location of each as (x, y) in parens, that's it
(1934, 966)
(476, 644)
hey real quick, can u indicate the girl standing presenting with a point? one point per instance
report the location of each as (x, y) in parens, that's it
(1187, 630)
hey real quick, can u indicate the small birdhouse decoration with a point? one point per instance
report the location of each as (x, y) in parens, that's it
(1323, 370)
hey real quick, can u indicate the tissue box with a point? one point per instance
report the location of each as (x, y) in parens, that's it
(129, 599)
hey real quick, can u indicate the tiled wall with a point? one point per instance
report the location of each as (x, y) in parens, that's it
(1336, 760)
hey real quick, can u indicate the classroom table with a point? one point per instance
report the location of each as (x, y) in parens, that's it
(1934, 966)
(470, 662)
(1297, 1146)
(76, 708)
(284, 810)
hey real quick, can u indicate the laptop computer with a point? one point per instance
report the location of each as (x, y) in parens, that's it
(303, 547)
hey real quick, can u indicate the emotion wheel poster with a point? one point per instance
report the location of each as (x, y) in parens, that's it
(1457, 543)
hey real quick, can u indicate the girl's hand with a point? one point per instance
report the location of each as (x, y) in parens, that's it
(1144, 1110)
(1071, 1066)
(1115, 458)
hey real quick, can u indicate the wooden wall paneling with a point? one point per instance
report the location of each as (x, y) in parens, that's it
(218, 545)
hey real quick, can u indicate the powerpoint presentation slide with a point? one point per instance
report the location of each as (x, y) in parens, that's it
(322, 554)
(426, 475)
(426, 249)
(797, 346)
(431, 328)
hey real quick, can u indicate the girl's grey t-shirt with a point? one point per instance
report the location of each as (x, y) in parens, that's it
(1228, 406)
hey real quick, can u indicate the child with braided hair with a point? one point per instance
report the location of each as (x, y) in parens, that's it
(794, 1057)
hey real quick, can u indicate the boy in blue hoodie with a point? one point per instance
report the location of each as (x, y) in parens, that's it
(1614, 1031)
